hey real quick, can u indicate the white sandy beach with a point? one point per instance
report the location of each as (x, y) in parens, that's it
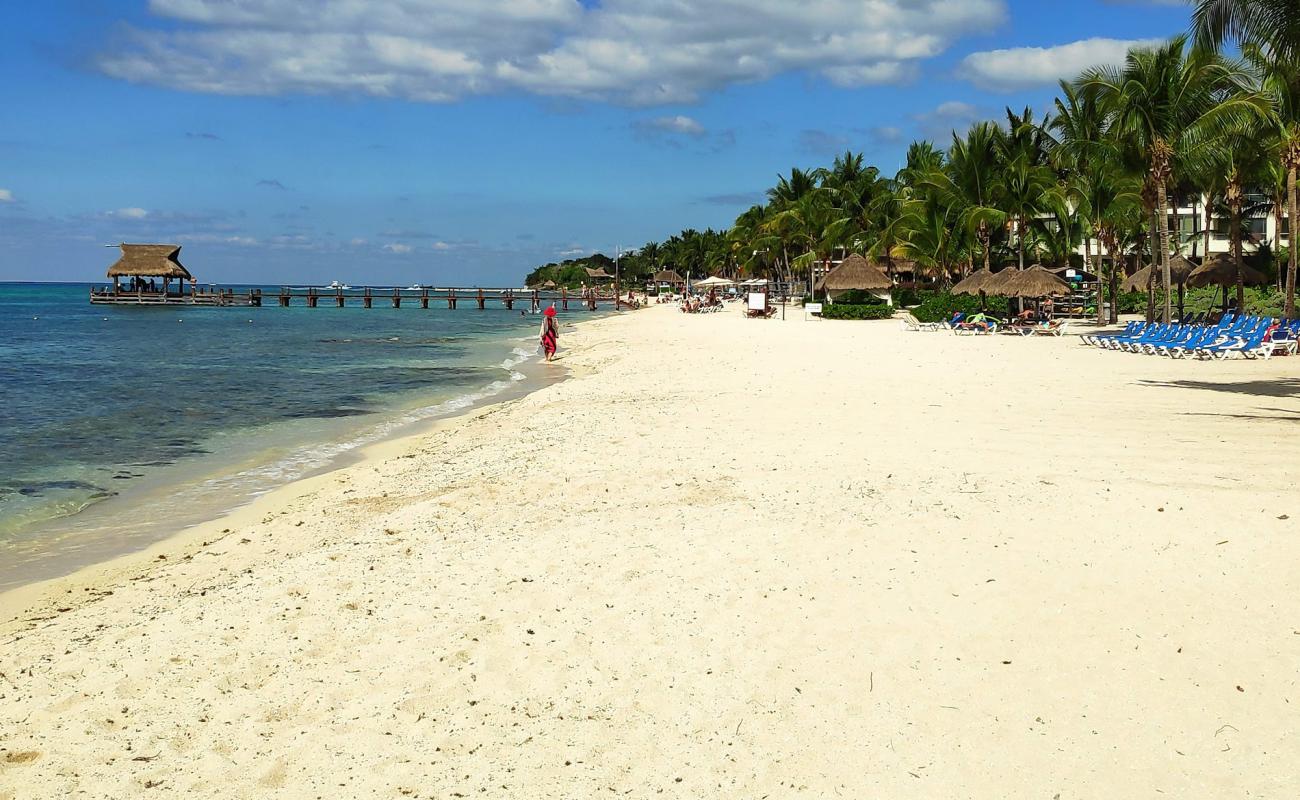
(728, 558)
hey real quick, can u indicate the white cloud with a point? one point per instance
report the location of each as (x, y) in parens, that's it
(129, 213)
(1023, 67)
(6, 196)
(398, 249)
(441, 246)
(629, 51)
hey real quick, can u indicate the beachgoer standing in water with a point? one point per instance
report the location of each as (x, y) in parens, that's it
(550, 332)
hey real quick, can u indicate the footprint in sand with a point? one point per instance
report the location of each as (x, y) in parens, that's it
(21, 757)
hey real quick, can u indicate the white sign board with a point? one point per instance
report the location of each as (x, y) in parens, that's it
(757, 301)
(812, 308)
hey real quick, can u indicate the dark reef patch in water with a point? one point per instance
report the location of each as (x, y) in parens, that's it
(326, 413)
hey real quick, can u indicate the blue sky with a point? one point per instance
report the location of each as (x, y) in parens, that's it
(466, 141)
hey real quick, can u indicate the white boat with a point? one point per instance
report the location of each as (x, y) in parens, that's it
(415, 287)
(337, 285)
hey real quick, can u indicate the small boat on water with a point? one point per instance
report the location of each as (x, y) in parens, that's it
(337, 285)
(415, 287)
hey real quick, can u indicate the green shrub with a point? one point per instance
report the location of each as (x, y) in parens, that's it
(857, 311)
(906, 298)
(858, 297)
(942, 306)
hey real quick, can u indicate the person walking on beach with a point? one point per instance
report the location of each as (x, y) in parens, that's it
(550, 332)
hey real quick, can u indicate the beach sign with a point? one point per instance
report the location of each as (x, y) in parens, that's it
(757, 301)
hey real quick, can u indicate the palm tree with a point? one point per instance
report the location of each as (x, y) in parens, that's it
(1272, 25)
(1268, 32)
(1023, 191)
(1242, 162)
(967, 181)
(1079, 147)
(1167, 106)
(1280, 83)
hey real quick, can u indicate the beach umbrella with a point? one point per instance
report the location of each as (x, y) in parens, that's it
(715, 281)
(1220, 269)
(1033, 282)
(975, 283)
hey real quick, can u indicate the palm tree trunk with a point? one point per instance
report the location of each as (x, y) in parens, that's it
(1162, 200)
(984, 238)
(1291, 235)
(1235, 233)
(1209, 221)
(1087, 267)
(1151, 276)
(1278, 212)
(1020, 241)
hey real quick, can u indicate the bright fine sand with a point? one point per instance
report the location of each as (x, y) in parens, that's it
(727, 558)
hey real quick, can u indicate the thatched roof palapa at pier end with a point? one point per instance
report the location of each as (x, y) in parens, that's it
(597, 273)
(855, 272)
(149, 261)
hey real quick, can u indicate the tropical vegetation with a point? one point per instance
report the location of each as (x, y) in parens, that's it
(1209, 120)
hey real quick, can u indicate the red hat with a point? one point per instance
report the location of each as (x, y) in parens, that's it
(550, 311)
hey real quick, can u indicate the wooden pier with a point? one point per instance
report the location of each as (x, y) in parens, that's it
(532, 300)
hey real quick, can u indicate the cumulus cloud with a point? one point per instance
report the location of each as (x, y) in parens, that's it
(399, 249)
(640, 52)
(7, 196)
(1023, 67)
(129, 213)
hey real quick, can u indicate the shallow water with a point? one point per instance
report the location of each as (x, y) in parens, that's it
(115, 420)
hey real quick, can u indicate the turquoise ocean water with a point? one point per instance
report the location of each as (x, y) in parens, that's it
(119, 425)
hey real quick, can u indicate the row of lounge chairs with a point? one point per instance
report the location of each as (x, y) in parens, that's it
(982, 324)
(1244, 336)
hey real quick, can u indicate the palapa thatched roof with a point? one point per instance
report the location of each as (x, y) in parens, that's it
(548, 285)
(855, 272)
(1179, 271)
(1035, 281)
(1220, 269)
(1137, 282)
(994, 283)
(597, 273)
(668, 276)
(974, 283)
(149, 261)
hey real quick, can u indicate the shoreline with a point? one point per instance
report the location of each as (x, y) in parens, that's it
(726, 558)
(84, 576)
(116, 516)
